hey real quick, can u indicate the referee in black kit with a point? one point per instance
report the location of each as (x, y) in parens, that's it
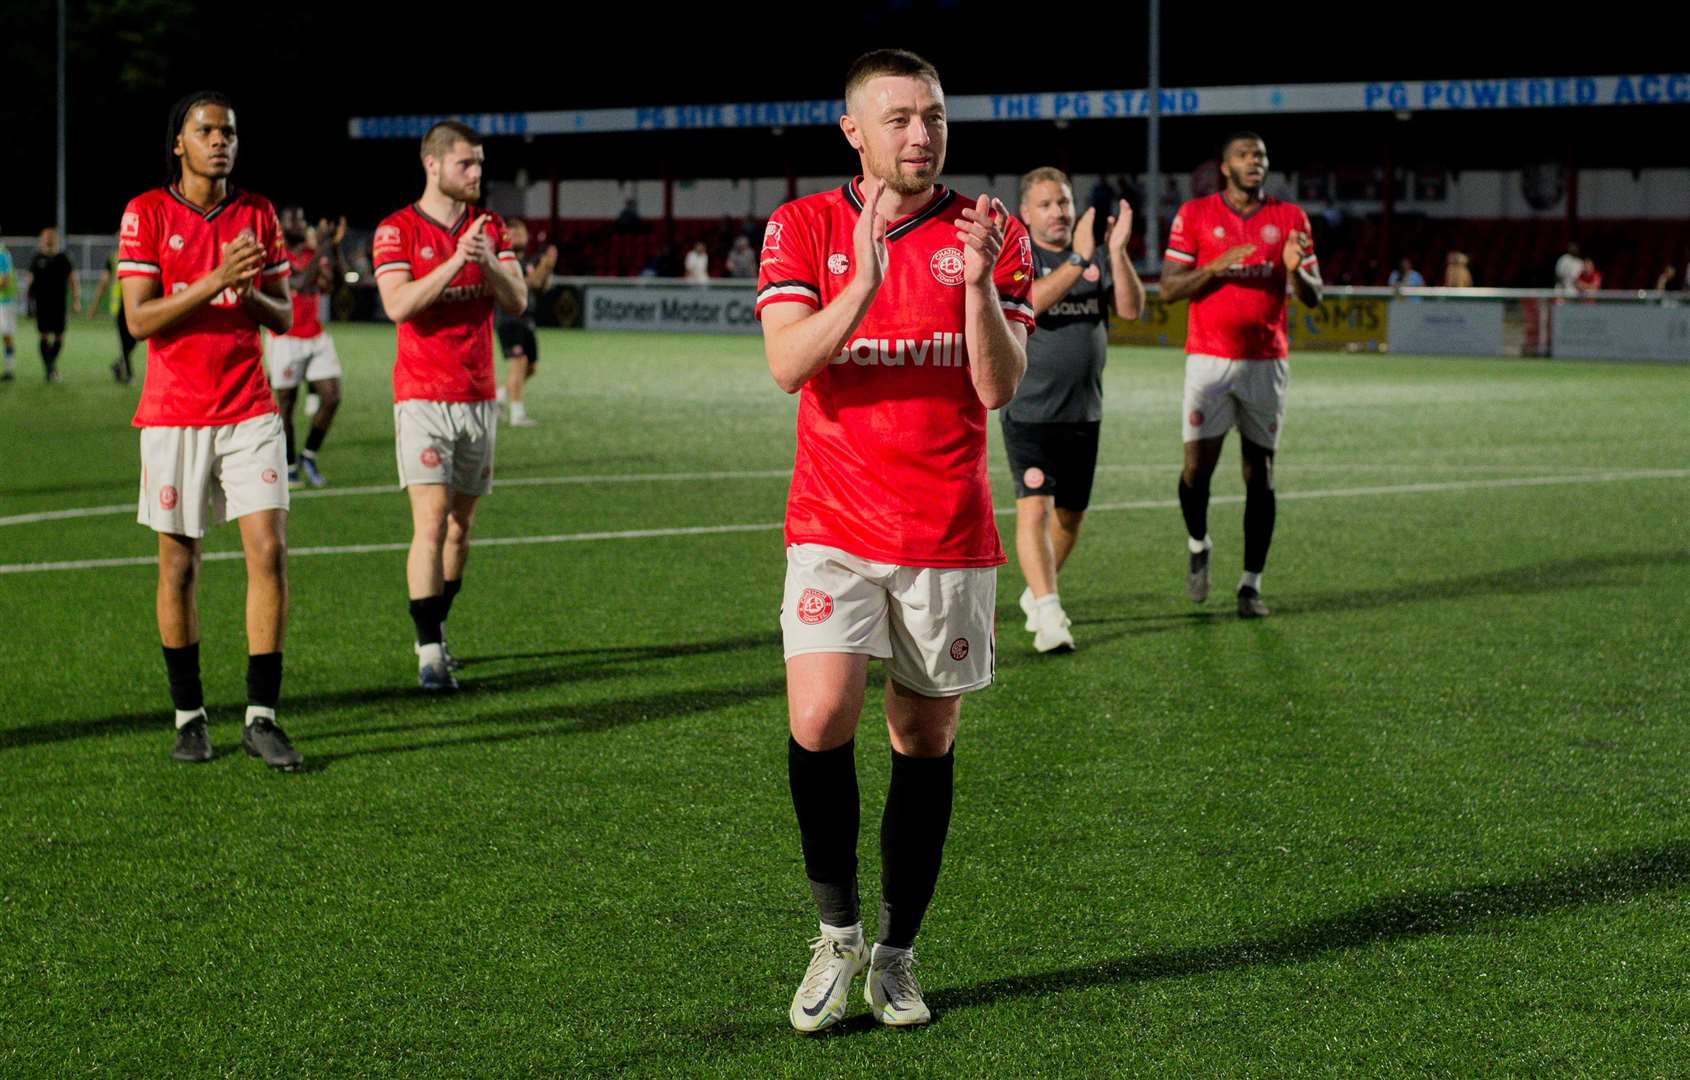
(1051, 428)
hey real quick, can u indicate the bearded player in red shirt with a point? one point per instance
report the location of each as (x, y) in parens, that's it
(1234, 254)
(202, 267)
(898, 311)
(441, 264)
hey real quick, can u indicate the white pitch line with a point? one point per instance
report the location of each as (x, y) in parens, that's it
(708, 530)
(743, 474)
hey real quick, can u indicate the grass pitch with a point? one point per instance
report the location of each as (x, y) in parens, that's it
(1428, 819)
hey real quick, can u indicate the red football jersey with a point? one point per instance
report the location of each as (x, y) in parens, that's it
(207, 369)
(1240, 315)
(891, 462)
(307, 322)
(446, 350)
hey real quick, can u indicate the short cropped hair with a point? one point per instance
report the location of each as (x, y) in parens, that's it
(872, 65)
(440, 138)
(1232, 137)
(1040, 175)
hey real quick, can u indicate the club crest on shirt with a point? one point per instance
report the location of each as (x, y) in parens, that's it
(1270, 234)
(947, 266)
(838, 263)
(814, 606)
(1092, 273)
(1220, 232)
(175, 242)
(426, 252)
(771, 236)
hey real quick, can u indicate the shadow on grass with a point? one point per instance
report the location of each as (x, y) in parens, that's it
(1609, 879)
(552, 720)
(578, 665)
(1559, 575)
(1614, 878)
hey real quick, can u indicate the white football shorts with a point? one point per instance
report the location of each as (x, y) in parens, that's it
(1250, 394)
(195, 477)
(932, 626)
(446, 442)
(292, 360)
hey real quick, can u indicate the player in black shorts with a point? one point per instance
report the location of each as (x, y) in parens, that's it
(516, 333)
(121, 369)
(1051, 427)
(51, 273)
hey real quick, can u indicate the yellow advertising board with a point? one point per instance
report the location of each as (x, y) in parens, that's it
(1340, 324)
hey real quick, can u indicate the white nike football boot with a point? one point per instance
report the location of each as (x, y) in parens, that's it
(1029, 610)
(835, 958)
(891, 990)
(1050, 629)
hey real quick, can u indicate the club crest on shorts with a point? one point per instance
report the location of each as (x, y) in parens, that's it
(430, 458)
(1034, 477)
(959, 649)
(167, 497)
(838, 263)
(1270, 234)
(814, 606)
(270, 476)
(1196, 418)
(947, 266)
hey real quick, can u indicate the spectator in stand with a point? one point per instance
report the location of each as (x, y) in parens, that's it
(1457, 273)
(698, 263)
(742, 261)
(1589, 279)
(1405, 276)
(1568, 268)
(629, 219)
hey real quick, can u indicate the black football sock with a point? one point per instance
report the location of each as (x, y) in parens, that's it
(824, 794)
(182, 667)
(446, 598)
(912, 842)
(1194, 506)
(1260, 508)
(314, 441)
(425, 613)
(263, 681)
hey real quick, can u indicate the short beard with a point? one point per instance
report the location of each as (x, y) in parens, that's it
(460, 194)
(1242, 186)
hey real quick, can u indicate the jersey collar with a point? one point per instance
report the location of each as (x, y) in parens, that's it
(1243, 215)
(206, 214)
(942, 196)
(452, 229)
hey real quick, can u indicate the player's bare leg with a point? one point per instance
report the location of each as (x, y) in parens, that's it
(824, 700)
(179, 633)
(1260, 509)
(460, 518)
(1036, 551)
(1201, 457)
(912, 843)
(285, 399)
(516, 379)
(425, 579)
(328, 400)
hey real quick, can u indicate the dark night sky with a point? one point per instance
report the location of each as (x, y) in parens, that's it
(299, 71)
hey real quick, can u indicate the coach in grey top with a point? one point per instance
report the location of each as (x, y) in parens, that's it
(1050, 429)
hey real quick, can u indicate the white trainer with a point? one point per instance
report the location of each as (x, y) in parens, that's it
(1029, 610)
(1050, 630)
(891, 990)
(834, 962)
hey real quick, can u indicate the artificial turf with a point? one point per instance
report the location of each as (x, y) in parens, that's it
(1428, 819)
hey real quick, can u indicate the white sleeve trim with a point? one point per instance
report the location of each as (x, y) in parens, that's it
(1179, 256)
(385, 267)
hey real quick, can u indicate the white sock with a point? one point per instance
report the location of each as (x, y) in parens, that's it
(1047, 601)
(429, 655)
(846, 935)
(885, 952)
(1198, 547)
(1250, 581)
(518, 411)
(502, 395)
(186, 716)
(259, 712)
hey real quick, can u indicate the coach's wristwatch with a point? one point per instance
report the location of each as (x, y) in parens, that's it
(1075, 260)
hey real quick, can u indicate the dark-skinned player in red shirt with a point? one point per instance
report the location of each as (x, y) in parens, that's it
(202, 267)
(1235, 254)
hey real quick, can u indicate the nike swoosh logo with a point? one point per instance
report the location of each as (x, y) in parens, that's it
(822, 1004)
